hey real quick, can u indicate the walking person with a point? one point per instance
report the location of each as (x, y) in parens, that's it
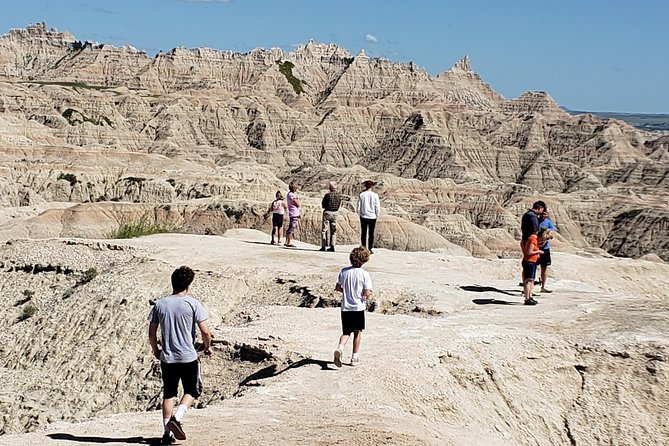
(369, 209)
(293, 202)
(330, 204)
(278, 209)
(177, 316)
(545, 258)
(356, 285)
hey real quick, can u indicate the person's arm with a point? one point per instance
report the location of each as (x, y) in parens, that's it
(296, 201)
(153, 339)
(206, 337)
(366, 293)
(377, 206)
(323, 201)
(339, 288)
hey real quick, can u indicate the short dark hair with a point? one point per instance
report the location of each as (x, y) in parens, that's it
(359, 256)
(182, 277)
(293, 186)
(539, 204)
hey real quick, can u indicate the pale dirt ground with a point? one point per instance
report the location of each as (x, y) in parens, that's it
(446, 365)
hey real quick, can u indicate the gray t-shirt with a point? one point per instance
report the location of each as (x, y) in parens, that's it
(178, 316)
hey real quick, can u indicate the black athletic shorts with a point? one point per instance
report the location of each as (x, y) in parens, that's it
(277, 220)
(352, 321)
(545, 258)
(186, 372)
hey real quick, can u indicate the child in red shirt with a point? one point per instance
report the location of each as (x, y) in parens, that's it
(531, 254)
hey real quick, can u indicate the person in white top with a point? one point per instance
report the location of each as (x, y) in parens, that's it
(356, 284)
(369, 209)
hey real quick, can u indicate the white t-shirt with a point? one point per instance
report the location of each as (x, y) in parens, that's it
(353, 281)
(369, 205)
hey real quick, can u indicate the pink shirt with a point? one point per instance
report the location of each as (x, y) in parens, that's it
(293, 211)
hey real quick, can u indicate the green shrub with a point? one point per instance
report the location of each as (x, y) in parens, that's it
(72, 178)
(28, 312)
(286, 68)
(140, 228)
(87, 276)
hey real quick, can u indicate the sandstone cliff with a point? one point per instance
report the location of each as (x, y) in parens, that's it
(315, 114)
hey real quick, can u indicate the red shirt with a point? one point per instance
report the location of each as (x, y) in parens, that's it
(531, 245)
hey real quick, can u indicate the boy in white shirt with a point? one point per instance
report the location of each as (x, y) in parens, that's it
(356, 284)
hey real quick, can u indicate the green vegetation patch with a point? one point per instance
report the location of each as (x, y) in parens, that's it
(67, 114)
(140, 228)
(70, 177)
(286, 68)
(28, 311)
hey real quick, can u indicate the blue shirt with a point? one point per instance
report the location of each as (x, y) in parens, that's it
(547, 223)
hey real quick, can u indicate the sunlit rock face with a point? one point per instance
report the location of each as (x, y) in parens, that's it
(87, 122)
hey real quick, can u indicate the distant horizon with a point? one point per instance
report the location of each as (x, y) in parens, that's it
(596, 55)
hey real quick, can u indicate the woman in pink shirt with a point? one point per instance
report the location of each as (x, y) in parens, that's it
(293, 213)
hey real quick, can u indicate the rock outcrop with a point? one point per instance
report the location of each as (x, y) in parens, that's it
(113, 124)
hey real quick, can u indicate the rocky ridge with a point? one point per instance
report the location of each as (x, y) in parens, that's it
(113, 124)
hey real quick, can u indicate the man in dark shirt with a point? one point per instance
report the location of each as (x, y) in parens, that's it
(529, 224)
(330, 204)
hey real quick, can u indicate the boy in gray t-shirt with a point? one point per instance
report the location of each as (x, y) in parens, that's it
(177, 316)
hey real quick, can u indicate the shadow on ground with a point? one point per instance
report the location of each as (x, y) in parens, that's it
(273, 369)
(488, 289)
(105, 440)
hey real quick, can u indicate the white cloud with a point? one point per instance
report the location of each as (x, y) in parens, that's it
(371, 38)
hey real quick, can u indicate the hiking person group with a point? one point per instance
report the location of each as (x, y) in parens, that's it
(368, 210)
(537, 230)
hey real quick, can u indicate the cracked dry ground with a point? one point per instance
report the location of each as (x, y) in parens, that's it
(449, 357)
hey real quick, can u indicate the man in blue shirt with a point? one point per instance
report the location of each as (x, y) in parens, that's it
(545, 258)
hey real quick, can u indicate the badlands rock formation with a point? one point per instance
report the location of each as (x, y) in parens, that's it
(83, 122)
(92, 137)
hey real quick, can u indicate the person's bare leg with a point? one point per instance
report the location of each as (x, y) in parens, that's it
(343, 339)
(357, 340)
(544, 271)
(168, 408)
(279, 232)
(527, 288)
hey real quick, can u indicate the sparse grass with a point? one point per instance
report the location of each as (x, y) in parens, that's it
(67, 114)
(140, 228)
(286, 68)
(28, 311)
(72, 178)
(135, 180)
(87, 276)
(230, 212)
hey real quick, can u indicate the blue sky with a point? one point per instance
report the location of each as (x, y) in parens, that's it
(595, 55)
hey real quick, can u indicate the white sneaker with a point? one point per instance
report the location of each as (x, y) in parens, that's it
(355, 361)
(337, 358)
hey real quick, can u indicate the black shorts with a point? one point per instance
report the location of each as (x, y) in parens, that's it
(352, 321)
(277, 220)
(187, 372)
(529, 270)
(545, 258)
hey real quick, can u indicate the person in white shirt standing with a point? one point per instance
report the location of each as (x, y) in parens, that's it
(369, 209)
(356, 284)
